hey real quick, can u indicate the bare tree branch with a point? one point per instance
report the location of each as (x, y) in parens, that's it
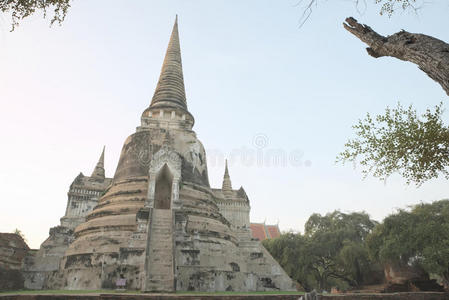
(429, 53)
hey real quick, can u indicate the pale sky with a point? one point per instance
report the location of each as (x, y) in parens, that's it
(256, 83)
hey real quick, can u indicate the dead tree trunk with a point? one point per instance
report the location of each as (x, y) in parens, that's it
(430, 54)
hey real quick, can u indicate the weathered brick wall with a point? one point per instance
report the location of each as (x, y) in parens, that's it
(12, 251)
(10, 280)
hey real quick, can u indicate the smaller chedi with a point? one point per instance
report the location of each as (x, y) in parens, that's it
(83, 195)
(157, 225)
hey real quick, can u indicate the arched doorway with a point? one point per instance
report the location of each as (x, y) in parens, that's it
(163, 188)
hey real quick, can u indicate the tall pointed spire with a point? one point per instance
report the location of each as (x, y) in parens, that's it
(227, 186)
(99, 172)
(170, 91)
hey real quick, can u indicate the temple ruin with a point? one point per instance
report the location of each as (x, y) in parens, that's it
(157, 224)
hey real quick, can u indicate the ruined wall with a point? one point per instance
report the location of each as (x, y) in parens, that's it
(39, 266)
(13, 249)
(401, 274)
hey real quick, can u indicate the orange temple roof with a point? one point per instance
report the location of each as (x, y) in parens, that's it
(261, 231)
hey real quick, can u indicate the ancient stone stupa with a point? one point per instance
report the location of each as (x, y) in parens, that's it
(157, 224)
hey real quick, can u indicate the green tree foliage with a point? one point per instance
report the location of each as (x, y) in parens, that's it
(416, 236)
(399, 141)
(332, 251)
(291, 251)
(20, 9)
(338, 247)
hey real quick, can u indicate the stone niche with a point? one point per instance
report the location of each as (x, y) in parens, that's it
(164, 178)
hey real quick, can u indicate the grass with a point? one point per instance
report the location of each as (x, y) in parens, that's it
(55, 292)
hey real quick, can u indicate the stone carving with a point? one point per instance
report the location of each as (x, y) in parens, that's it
(195, 154)
(166, 156)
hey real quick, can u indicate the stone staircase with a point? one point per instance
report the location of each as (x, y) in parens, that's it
(160, 277)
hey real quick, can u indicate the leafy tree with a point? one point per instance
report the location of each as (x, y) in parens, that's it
(291, 250)
(416, 236)
(332, 251)
(338, 247)
(20, 9)
(354, 226)
(354, 259)
(399, 141)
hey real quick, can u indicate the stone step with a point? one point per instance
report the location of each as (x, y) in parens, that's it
(160, 275)
(158, 234)
(162, 260)
(161, 230)
(162, 223)
(159, 267)
(160, 250)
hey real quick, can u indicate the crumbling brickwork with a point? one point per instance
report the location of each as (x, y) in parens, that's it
(13, 250)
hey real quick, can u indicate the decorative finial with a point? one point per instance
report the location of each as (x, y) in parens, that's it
(226, 168)
(227, 186)
(99, 172)
(102, 155)
(170, 91)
